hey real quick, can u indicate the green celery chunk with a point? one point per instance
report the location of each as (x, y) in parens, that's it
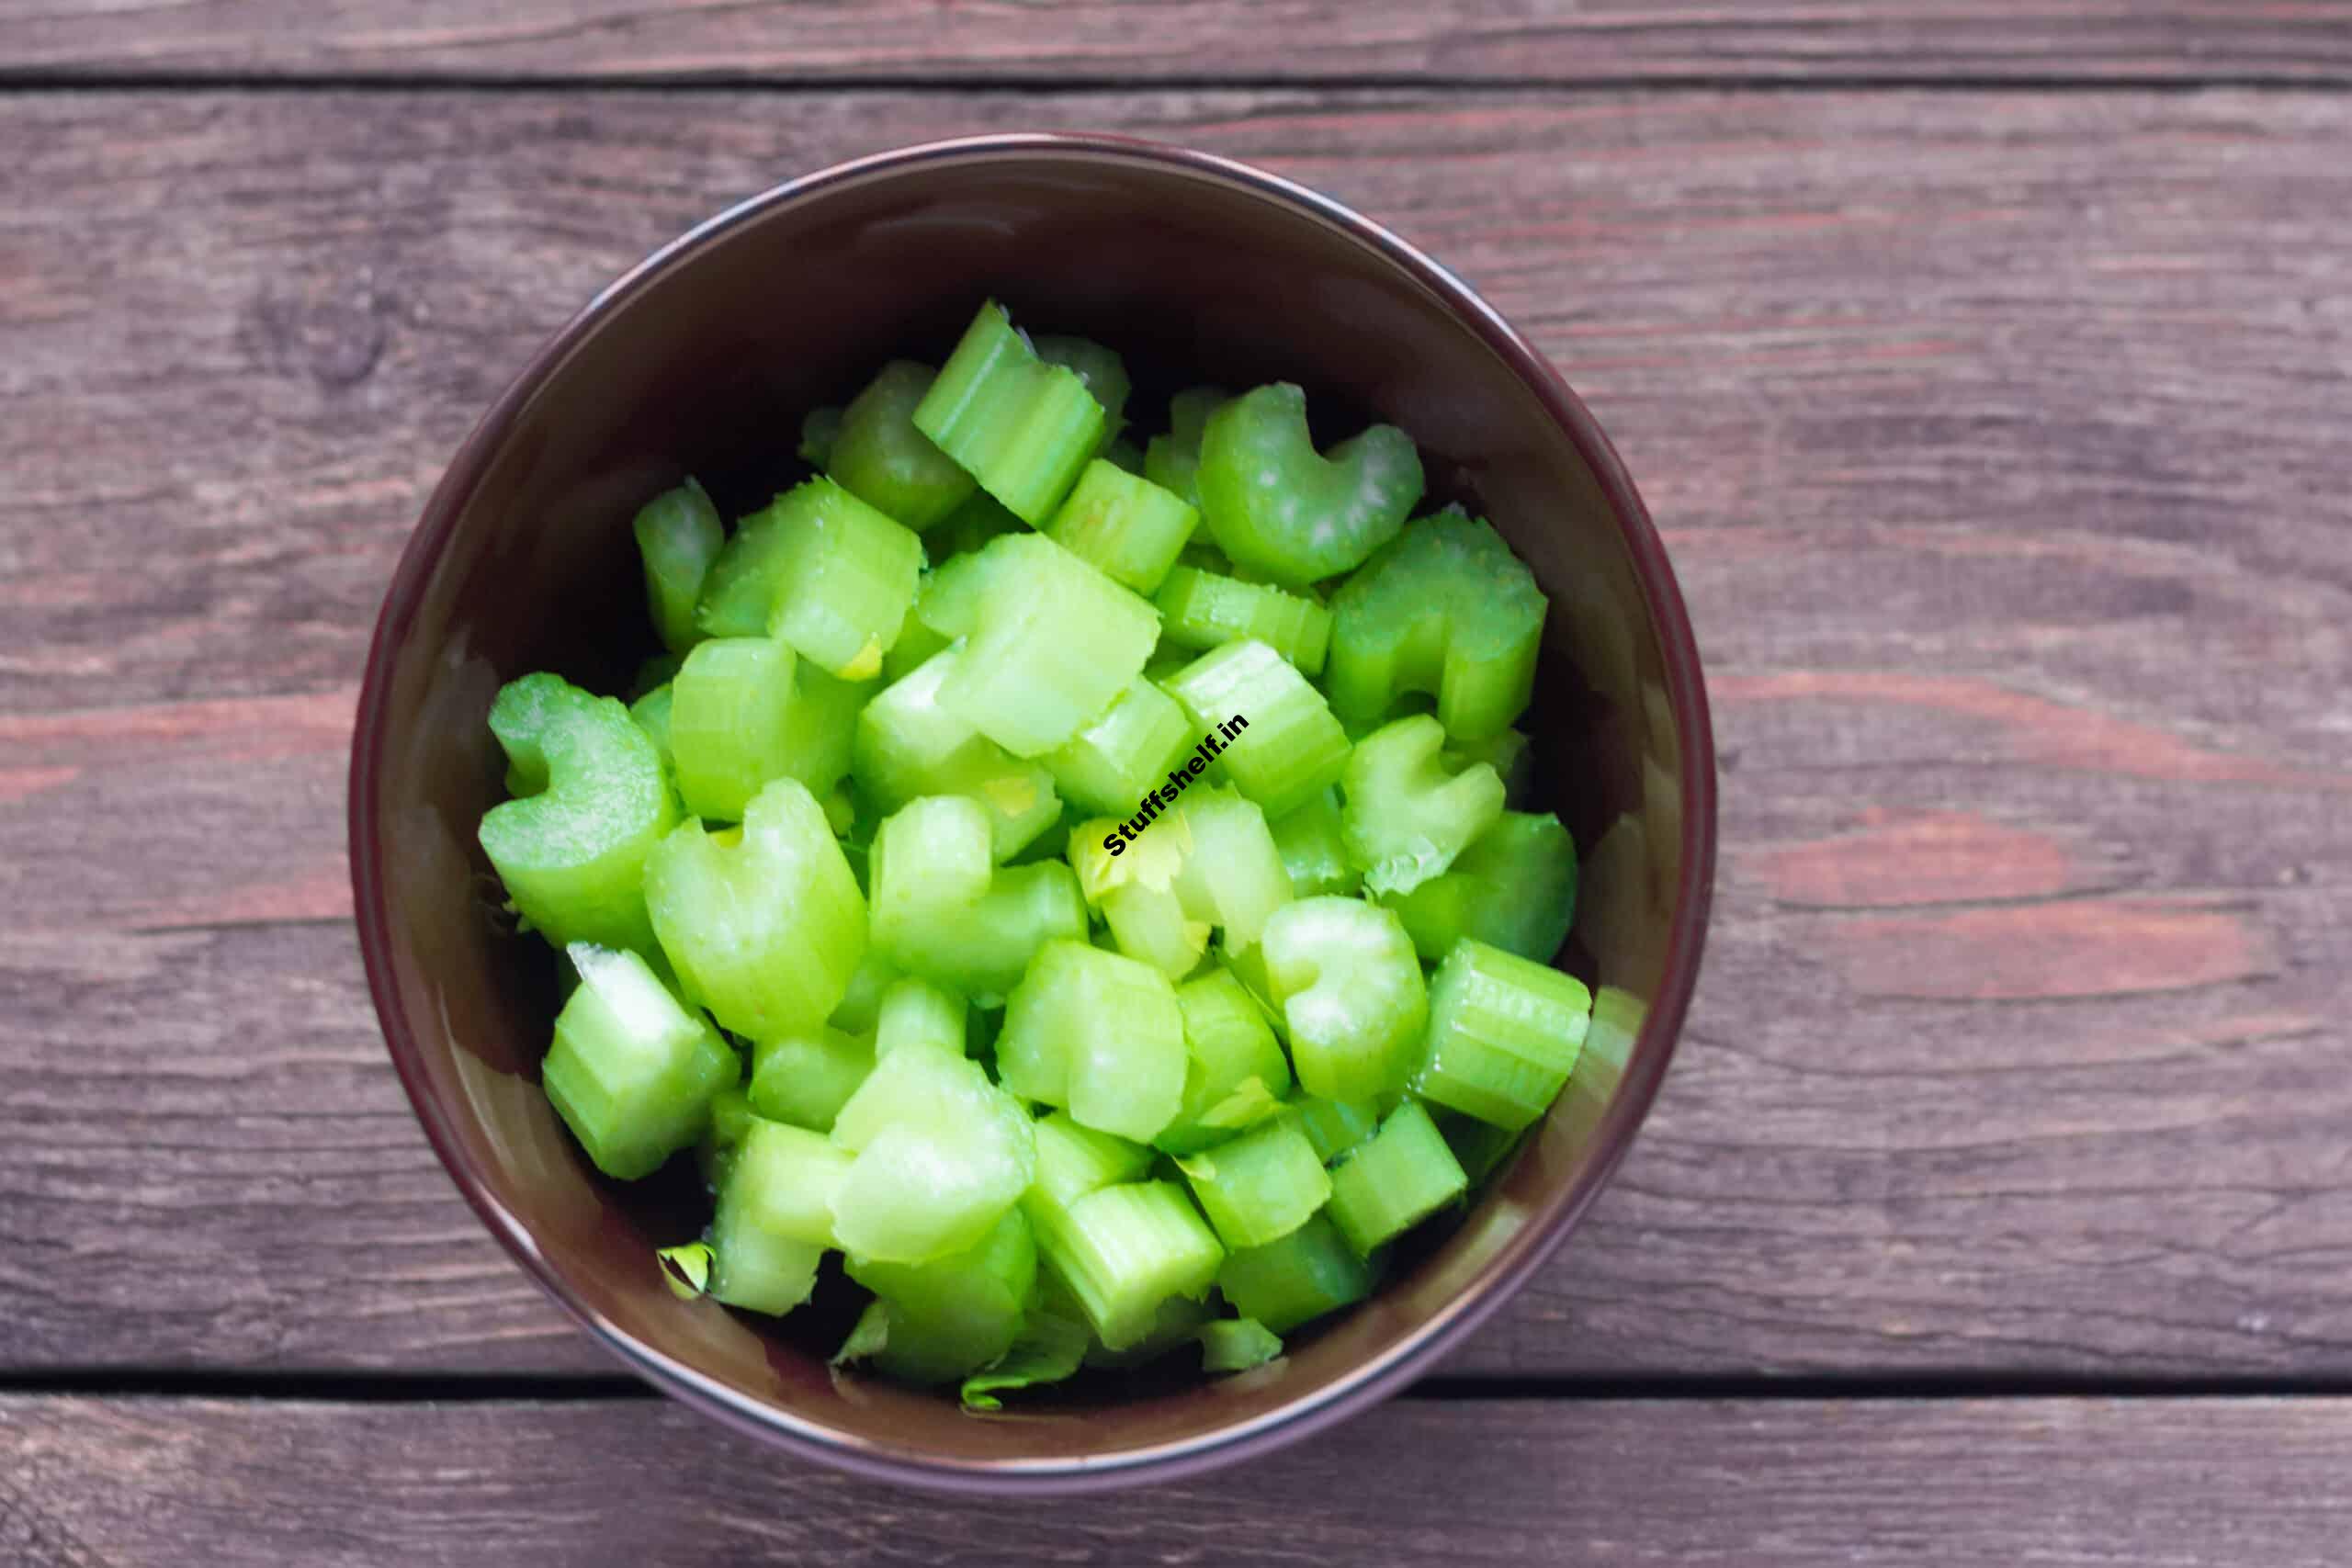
(1237, 1344)
(732, 729)
(820, 428)
(1204, 609)
(860, 1010)
(764, 924)
(943, 910)
(1125, 527)
(1098, 1034)
(1172, 461)
(879, 456)
(1021, 428)
(730, 1118)
(757, 1270)
(1314, 851)
(1209, 862)
(1336, 1127)
(782, 1182)
(652, 714)
(1123, 751)
(1280, 744)
(1124, 1251)
(1444, 608)
(1176, 1322)
(842, 578)
(1260, 1186)
(954, 1315)
(806, 1077)
(1404, 817)
(971, 526)
(916, 1012)
(1277, 507)
(1050, 1347)
(1349, 986)
(1236, 1073)
(1074, 1159)
(1306, 1275)
(631, 1072)
(1054, 640)
(942, 1153)
(1102, 372)
(1513, 888)
(1479, 1147)
(678, 535)
(1506, 752)
(910, 743)
(1404, 1174)
(1503, 1036)
(572, 853)
(946, 608)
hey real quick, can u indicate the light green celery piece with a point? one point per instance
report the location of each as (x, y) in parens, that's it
(1313, 849)
(1021, 428)
(1212, 855)
(764, 924)
(879, 456)
(1479, 1147)
(970, 527)
(1261, 1185)
(916, 1012)
(757, 1270)
(1506, 752)
(1124, 1251)
(860, 1010)
(739, 591)
(1054, 640)
(842, 579)
(731, 1117)
(942, 1153)
(1103, 373)
(1074, 1159)
(1335, 1126)
(1150, 925)
(1176, 1322)
(729, 720)
(1277, 507)
(1236, 1073)
(1404, 1174)
(947, 606)
(631, 1071)
(597, 800)
(1445, 608)
(781, 1183)
(1237, 1344)
(943, 910)
(1124, 751)
(909, 743)
(1503, 1035)
(1513, 888)
(1172, 461)
(1050, 1347)
(1098, 1033)
(652, 712)
(1204, 609)
(1309, 1273)
(1349, 985)
(806, 1077)
(1125, 527)
(1404, 817)
(820, 428)
(1282, 745)
(955, 1314)
(678, 535)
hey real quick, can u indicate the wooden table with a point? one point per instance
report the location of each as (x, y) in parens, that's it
(1989, 368)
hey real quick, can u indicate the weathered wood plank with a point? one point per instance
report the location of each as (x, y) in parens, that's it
(1550, 41)
(2072, 1483)
(2000, 444)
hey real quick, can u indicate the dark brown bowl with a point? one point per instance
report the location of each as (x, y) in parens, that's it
(702, 360)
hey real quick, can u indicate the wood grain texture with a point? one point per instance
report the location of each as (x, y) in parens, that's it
(1998, 440)
(2065, 1483)
(1548, 41)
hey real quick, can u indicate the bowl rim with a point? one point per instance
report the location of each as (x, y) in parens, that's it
(1354, 1389)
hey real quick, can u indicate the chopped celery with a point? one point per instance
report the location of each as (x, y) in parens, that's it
(916, 1012)
(942, 1153)
(1103, 373)
(806, 1077)
(1203, 610)
(1447, 609)
(971, 526)
(1049, 1348)
(730, 1118)
(1237, 1344)
(1401, 1176)
(631, 1072)
(1479, 1147)
(652, 712)
(1173, 461)
(1277, 740)
(1054, 641)
(1178, 1322)
(1124, 1251)
(573, 852)
(1314, 851)
(879, 456)
(782, 1182)
(1404, 817)
(1336, 1127)
(1261, 1186)
(909, 743)
(1514, 887)
(1020, 427)
(1274, 505)
(1074, 1159)
(941, 910)
(1125, 527)
(860, 1010)
(1349, 986)
(678, 535)
(1232, 875)
(1211, 863)
(754, 1269)
(1307, 1274)
(1503, 1036)
(730, 716)
(1120, 754)
(765, 931)
(1505, 750)
(1098, 1034)
(820, 428)
(840, 578)
(953, 1316)
(1236, 1072)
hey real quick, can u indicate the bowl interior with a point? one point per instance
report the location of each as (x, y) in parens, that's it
(703, 362)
